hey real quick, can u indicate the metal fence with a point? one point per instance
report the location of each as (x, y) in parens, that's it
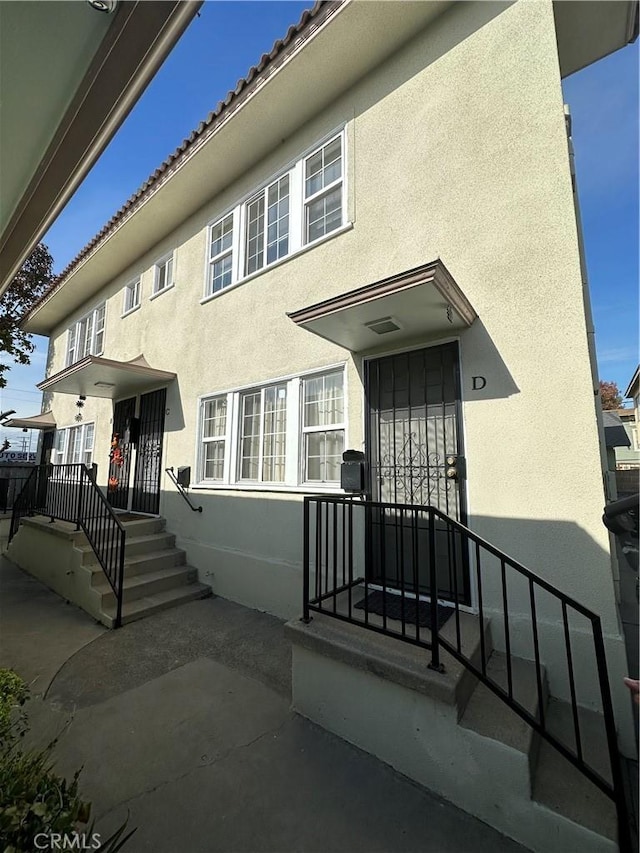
(70, 493)
(367, 563)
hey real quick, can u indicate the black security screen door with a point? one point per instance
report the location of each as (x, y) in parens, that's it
(146, 484)
(120, 454)
(415, 455)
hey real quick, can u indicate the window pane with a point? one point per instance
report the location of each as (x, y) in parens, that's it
(215, 417)
(132, 296)
(214, 460)
(222, 236)
(71, 348)
(274, 440)
(255, 234)
(324, 215)
(323, 456)
(324, 400)
(278, 219)
(250, 437)
(221, 273)
(323, 167)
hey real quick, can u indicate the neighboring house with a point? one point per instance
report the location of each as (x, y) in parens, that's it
(630, 417)
(371, 244)
(70, 72)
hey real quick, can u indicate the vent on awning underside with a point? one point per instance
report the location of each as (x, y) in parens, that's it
(383, 326)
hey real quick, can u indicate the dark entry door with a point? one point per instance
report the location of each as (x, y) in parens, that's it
(120, 453)
(146, 483)
(414, 442)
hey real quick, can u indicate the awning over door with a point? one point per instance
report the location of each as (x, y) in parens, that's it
(45, 420)
(422, 302)
(103, 377)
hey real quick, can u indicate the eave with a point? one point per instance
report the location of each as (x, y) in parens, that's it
(278, 100)
(141, 35)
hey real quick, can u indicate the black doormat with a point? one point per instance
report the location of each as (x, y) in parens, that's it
(393, 608)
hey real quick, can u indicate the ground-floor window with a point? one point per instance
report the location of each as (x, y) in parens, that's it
(287, 432)
(74, 445)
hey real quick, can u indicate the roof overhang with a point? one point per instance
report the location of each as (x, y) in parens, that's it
(104, 377)
(632, 388)
(422, 302)
(279, 101)
(70, 75)
(615, 435)
(588, 30)
(45, 420)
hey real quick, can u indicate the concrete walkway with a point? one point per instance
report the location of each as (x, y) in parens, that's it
(182, 722)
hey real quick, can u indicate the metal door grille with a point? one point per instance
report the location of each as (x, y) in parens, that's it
(120, 454)
(413, 403)
(146, 485)
(413, 427)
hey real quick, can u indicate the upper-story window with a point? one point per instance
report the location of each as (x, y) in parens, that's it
(86, 336)
(163, 275)
(323, 191)
(131, 296)
(221, 254)
(298, 207)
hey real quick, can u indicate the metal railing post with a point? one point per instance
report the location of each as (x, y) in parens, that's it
(305, 564)
(120, 590)
(624, 830)
(433, 591)
(79, 505)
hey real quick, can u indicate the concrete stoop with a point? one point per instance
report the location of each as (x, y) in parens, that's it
(461, 742)
(156, 576)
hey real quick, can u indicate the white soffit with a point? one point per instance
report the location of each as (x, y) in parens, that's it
(103, 377)
(422, 302)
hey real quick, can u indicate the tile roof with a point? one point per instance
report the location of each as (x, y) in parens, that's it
(295, 30)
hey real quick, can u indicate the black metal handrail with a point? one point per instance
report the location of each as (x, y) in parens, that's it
(181, 489)
(70, 493)
(403, 552)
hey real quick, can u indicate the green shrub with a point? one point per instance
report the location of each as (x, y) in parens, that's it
(33, 798)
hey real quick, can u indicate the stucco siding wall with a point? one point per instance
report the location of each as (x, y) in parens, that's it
(456, 148)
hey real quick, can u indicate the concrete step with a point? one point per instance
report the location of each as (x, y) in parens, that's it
(143, 526)
(146, 585)
(134, 546)
(400, 662)
(559, 786)
(173, 597)
(167, 558)
(489, 716)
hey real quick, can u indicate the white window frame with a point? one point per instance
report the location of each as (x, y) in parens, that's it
(133, 287)
(298, 205)
(305, 431)
(223, 253)
(86, 335)
(160, 264)
(295, 463)
(64, 449)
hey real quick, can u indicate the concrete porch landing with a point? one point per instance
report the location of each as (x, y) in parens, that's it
(197, 741)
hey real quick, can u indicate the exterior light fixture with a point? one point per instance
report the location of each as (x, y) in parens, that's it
(105, 384)
(107, 6)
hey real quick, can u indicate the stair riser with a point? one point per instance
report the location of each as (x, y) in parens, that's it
(135, 549)
(144, 590)
(145, 527)
(165, 605)
(154, 564)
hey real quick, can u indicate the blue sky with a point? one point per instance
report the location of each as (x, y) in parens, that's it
(220, 46)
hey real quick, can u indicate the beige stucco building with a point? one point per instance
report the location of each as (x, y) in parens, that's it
(372, 244)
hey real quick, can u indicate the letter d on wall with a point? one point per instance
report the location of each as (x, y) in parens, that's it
(479, 382)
